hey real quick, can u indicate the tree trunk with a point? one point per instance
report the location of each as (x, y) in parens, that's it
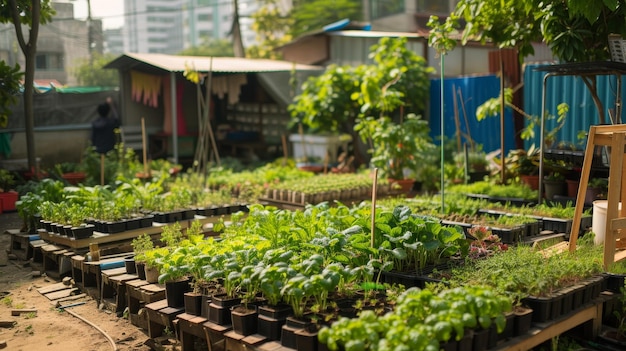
(30, 50)
(238, 48)
(592, 85)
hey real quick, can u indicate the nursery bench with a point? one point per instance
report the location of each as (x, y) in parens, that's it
(238, 342)
(140, 293)
(56, 260)
(161, 317)
(190, 328)
(92, 274)
(214, 334)
(112, 289)
(20, 243)
(34, 251)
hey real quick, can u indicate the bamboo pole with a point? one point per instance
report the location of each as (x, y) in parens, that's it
(144, 147)
(102, 169)
(374, 191)
(283, 139)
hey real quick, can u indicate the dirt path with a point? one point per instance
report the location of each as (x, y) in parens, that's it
(50, 328)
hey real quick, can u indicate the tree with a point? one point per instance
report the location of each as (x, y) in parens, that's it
(504, 23)
(335, 101)
(211, 47)
(30, 13)
(89, 72)
(578, 31)
(271, 24)
(311, 15)
(276, 26)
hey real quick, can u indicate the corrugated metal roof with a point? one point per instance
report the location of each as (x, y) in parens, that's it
(173, 63)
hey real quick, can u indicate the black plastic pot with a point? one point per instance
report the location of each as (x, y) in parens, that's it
(219, 309)
(193, 303)
(245, 320)
(129, 264)
(541, 307)
(175, 292)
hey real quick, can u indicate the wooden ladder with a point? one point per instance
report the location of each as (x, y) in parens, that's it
(613, 136)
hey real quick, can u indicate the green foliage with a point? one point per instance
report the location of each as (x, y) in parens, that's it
(24, 11)
(335, 100)
(211, 47)
(90, 71)
(326, 103)
(271, 23)
(141, 245)
(439, 37)
(579, 32)
(421, 320)
(309, 16)
(9, 90)
(7, 179)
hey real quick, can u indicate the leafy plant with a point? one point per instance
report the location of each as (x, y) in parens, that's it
(141, 245)
(397, 148)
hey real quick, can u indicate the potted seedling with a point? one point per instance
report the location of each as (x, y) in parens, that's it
(8, 196)
(141, 244)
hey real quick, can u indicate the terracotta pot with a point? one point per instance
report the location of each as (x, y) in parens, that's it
(572, 187)
(531, 180)
(401, 185)
(74, 178)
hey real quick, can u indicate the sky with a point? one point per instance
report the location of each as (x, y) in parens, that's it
(111, 12)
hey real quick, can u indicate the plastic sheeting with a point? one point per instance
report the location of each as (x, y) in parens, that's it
(54, 109)
(474, 92)
(571, 90)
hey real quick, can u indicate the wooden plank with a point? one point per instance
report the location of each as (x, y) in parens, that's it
(18, 311)
(61, 294)
(52, 288)
(539, 335)
(69, 298)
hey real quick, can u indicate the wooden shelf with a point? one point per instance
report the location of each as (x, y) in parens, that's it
(591, 313)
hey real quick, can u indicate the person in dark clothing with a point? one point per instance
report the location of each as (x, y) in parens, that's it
(103, 136)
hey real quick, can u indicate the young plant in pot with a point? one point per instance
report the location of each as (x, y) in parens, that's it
(141, 245)
(273, 276)
(8, 196)
(245, 316)
(225, 270)
(398, 149)
(596, 189)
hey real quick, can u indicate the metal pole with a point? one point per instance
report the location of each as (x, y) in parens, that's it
(442, 140)
(89, 33)
(174, 117)
(542, 128)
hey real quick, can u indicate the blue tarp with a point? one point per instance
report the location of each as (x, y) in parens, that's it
(475, 91)
(573, 91)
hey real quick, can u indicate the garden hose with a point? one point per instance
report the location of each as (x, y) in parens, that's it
(95, 326)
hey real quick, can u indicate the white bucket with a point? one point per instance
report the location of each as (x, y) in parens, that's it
(598, 220)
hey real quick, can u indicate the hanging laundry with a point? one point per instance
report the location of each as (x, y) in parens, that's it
(145, 88)
(228, 84)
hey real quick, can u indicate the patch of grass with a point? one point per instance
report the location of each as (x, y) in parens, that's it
(20, 305)
(7, 301)
(29, 329)
(30, 315)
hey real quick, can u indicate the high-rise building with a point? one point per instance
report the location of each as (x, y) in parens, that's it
(169, 26)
